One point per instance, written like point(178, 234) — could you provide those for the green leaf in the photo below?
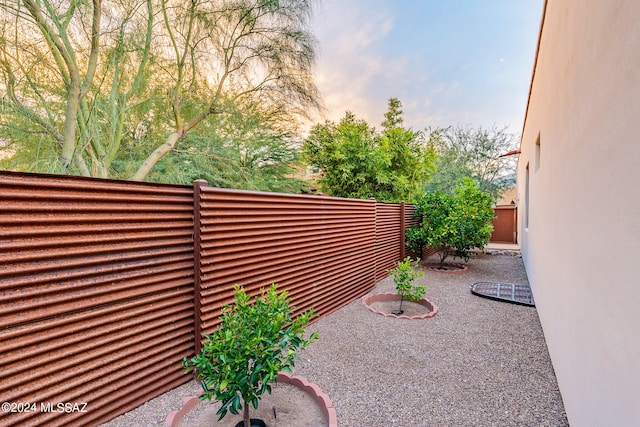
point(254, 341)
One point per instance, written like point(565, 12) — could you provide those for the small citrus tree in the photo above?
point(453, 225)
point(403, 275)
point(244, 354)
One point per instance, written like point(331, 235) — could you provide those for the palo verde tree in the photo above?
point(109, 80)
point(355, 160)
point(473, 152)
point(453, 224)
point(245, 148)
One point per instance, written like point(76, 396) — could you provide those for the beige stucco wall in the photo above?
point(506, 197)
point(582, 244)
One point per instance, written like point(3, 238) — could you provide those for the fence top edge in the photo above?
point(59, 180)
point(285, 195)
point(49, 179)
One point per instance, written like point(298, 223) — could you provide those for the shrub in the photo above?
point(453, 225)
point(403, 275)
point(244, 354)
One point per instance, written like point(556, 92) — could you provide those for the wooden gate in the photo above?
point(504, 224)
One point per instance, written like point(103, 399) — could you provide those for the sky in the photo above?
point(450, 62)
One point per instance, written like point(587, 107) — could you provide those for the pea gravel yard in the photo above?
point(478, 362)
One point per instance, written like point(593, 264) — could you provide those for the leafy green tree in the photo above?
point(408, 158)
point(474, 153)
point(453, 224)
point(356, 161)
point(347, 156)
point(253, 343)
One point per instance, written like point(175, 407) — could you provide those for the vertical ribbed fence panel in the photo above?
point(96, 295)
point(104, 285)
point(411, 220)
point(388, 235)
point(319, 249)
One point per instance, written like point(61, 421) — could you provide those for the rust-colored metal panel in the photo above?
point(319, 249)
point(504, 224)
point(411, 220)
point(96, 294)
point(388, 236)
point(410, 216)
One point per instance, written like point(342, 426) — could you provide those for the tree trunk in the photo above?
point(245, 415)
point(444, 253)
point(71, 115)
point(155, 157)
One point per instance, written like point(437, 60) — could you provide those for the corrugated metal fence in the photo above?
point(98, 278)
point(96, 294)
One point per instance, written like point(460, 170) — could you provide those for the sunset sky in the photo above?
point(449, 62)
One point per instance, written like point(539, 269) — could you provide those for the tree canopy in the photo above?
point(453, 224)
point(473, 152)
point(106, 86)
point(244, 148)
point(354, 160)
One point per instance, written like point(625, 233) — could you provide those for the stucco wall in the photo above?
point(582, 244)
point(506, 197)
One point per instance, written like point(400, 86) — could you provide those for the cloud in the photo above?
point(443, 71)
point(353, 25)
point(350, 61)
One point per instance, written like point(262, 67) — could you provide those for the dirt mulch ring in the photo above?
point(388, 304)
point(293, 402)
point(447, 267)
point(286, 406)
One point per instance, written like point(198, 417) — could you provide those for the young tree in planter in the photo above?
point(252, 344)
point(403, 275)
point(453, 224)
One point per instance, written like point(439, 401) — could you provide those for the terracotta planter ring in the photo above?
point(321, 399)
point(368, 300)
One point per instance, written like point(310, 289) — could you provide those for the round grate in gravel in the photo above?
point(517, 294)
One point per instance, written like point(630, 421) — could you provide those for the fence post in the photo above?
point(197, 271)
point(402, 231)
point(375, 239)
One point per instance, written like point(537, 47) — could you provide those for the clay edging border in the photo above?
point(369, 299)
point(462, 268)
point(313, 390)
point(321, 398)
point(174, 417)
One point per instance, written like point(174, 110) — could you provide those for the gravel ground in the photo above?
point(478, 362)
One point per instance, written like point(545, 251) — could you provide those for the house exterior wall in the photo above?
point(580, 233)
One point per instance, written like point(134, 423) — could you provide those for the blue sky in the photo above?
point(449, 62)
